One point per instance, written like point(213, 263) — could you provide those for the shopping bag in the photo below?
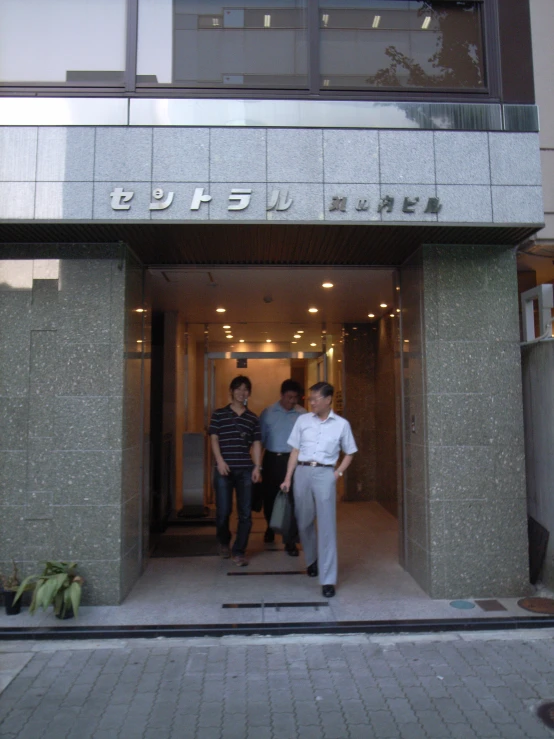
point(281, 515)
point(257, 496)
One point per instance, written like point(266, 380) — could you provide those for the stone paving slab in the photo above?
point(455, 685)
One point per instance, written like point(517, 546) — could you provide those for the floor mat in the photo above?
point(187, 545)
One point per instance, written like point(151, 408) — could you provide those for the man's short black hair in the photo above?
point(291, 386)
point(324, 388)
point(241, 380)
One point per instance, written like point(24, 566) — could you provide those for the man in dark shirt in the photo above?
point(234, 431)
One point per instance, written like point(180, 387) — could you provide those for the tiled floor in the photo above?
point(372, 585)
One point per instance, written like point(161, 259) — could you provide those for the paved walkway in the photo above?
point(352, 687)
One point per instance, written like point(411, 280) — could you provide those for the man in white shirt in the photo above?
point(317, 440)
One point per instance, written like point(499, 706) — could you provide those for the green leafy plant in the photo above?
point(58, 586)
point(11, 582)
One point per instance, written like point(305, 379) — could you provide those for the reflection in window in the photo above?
point(401, 43)
point(207, 43)
point(64, 41)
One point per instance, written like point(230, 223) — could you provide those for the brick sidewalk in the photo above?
point(353, 687)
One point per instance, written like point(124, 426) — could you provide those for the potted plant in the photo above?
point(10, 584)
point(58, 585)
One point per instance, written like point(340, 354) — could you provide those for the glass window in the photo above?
point(207, 43)
point(401, 43)
point(64, 41)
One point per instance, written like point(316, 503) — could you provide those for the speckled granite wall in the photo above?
point(67, 403)
point(465, 485)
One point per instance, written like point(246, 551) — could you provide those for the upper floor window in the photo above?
point(62, 42)
point(401, 43)
point(305, 46)
point(237, 43)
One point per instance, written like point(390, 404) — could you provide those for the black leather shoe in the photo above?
point(292, 551)
point(269, 536)
point(312, 570)
point(328, 591)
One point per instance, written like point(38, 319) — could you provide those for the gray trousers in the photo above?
point(315, 495)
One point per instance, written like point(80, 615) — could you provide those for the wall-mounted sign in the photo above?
point(239, 199)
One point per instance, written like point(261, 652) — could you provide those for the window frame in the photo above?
point(491, 91)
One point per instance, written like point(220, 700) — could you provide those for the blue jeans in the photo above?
point(241, 481)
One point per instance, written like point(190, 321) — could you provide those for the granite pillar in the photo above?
point(464, 496)
point(70, 396)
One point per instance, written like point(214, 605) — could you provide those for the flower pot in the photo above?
point(11, 609)
point(68, 614)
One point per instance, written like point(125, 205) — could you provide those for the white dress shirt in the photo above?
point(322, 441)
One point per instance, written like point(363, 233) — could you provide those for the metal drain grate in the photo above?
point(544, 606)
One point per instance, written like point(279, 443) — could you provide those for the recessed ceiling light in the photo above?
point(327, 284)
point(226, 326)
point(268, 341)
point(294, 342)
point(382, 305)
point(339, 360)
point(229, 336)
point(301, 331)
point(312, 344)
point(392, 315)
point(371, 315)
point(398, 310)
point(241, 341)
point(354, 328)
point(139, 310)
point(376, 21)
point(312, 310)
point(426, 22)
point(220, 310)
point(267, 21)
point(297, 336)
point(406, 341)
point(139, 341)
point(398, 288)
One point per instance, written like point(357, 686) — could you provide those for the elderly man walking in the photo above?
point(317, 440)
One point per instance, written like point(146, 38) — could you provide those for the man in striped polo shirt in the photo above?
point(236, 444)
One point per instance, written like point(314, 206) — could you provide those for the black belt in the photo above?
point(315, 464)
point(278, 454)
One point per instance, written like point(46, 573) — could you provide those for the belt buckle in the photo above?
point(313, 464)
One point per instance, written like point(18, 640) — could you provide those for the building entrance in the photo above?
point(272, 324)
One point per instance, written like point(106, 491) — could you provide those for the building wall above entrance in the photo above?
point(257, 175)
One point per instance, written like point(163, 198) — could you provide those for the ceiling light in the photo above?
point(392, 315)
point(241, 341)
point(294, 342)
point(220, 310)
point(139, 310)
point(406, 341)
point(398, 288)
point(226, 326)
point(267, 21)
point(325, 83)
point(426, 23)
point(268, 341)
point(376, 21)
point(398, 310)
point(354, 328)
point(371, 315)
point(339, 360)
point(313, 344)
point(382, 305)
point(139, 341)
point(229, 336)
point(312, 310)
point(325, 19)
point(297, 336)
point(301, 331)
point(327, 284)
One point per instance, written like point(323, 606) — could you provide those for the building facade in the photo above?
point(395, 135)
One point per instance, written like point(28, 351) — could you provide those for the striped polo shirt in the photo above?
point(235, 435)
